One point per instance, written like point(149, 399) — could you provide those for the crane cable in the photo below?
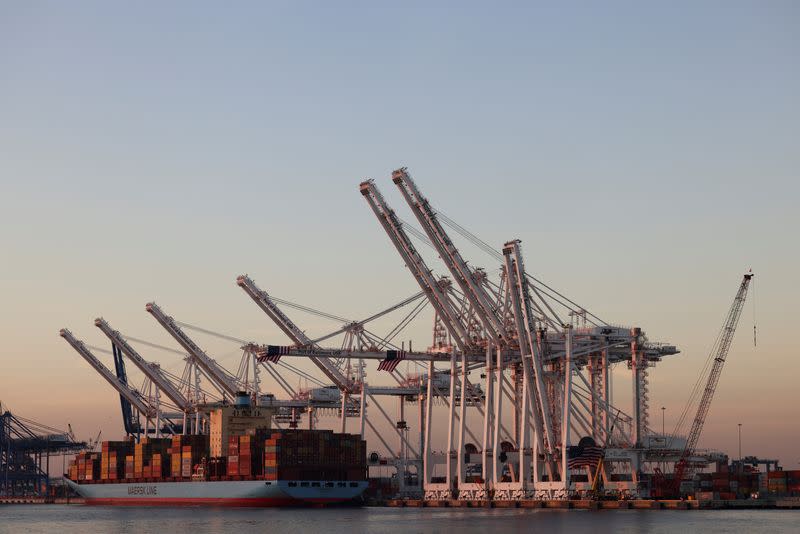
point(498, 256)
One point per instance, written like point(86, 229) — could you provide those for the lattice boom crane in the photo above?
point(720, 353)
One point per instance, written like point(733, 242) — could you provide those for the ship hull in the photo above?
point(252, 493)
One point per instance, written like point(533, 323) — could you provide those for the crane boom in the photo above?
point(269, 307)
point(531, 355)
point(452, 258)
point(133, 396)
point(151, 370)
point(299, 337)
point(224, 381)
point(720, 353)
point(424, 276)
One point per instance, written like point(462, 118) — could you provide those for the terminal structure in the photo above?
point(513, 395)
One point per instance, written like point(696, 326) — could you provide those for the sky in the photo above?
point(646, 156)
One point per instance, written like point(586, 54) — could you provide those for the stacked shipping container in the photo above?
point(729, 486)
point(85, 467)
point(314, 455)
point(793, 482)
point(112, 459)
point(274, 455)
point(147, 458)
point(784, 482)
point(186, 452)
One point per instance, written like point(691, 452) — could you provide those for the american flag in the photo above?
point(393, 358)
point(584, 455)
point(274, 353)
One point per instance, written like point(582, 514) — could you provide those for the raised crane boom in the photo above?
point(424, 276)
point(132, 396)
point(531, 354)
point(720, 353)
point(269, 307)
point(151, 370)
point(452, 258)
point(224, 381)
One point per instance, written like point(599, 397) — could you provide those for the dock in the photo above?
point(585, 504)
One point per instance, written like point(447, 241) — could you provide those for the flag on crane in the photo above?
point(393, 358)
point(274, 353)
point(585, 454)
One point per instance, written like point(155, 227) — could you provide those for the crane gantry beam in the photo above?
point(151, 370)
point(263, 351)
point(222, 380)
point(130, 394)
point(413, 260)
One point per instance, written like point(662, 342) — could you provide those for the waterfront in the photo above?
point(80, 519)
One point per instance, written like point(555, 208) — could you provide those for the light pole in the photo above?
point(740, 442)
point(663, 434)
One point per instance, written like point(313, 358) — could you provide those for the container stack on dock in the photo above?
point(784, 483)
point(793, 482)
point(725, 485)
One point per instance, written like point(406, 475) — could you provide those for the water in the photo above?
point(63, 519)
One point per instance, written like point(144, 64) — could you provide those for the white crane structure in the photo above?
point(543, 393)
point(536, 346)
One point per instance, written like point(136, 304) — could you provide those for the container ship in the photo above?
point(234, 465)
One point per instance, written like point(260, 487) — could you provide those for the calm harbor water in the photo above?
point(62, 519)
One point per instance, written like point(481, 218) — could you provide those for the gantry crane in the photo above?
point(719, 353)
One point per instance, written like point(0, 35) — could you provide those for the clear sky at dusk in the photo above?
point(646, 156)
